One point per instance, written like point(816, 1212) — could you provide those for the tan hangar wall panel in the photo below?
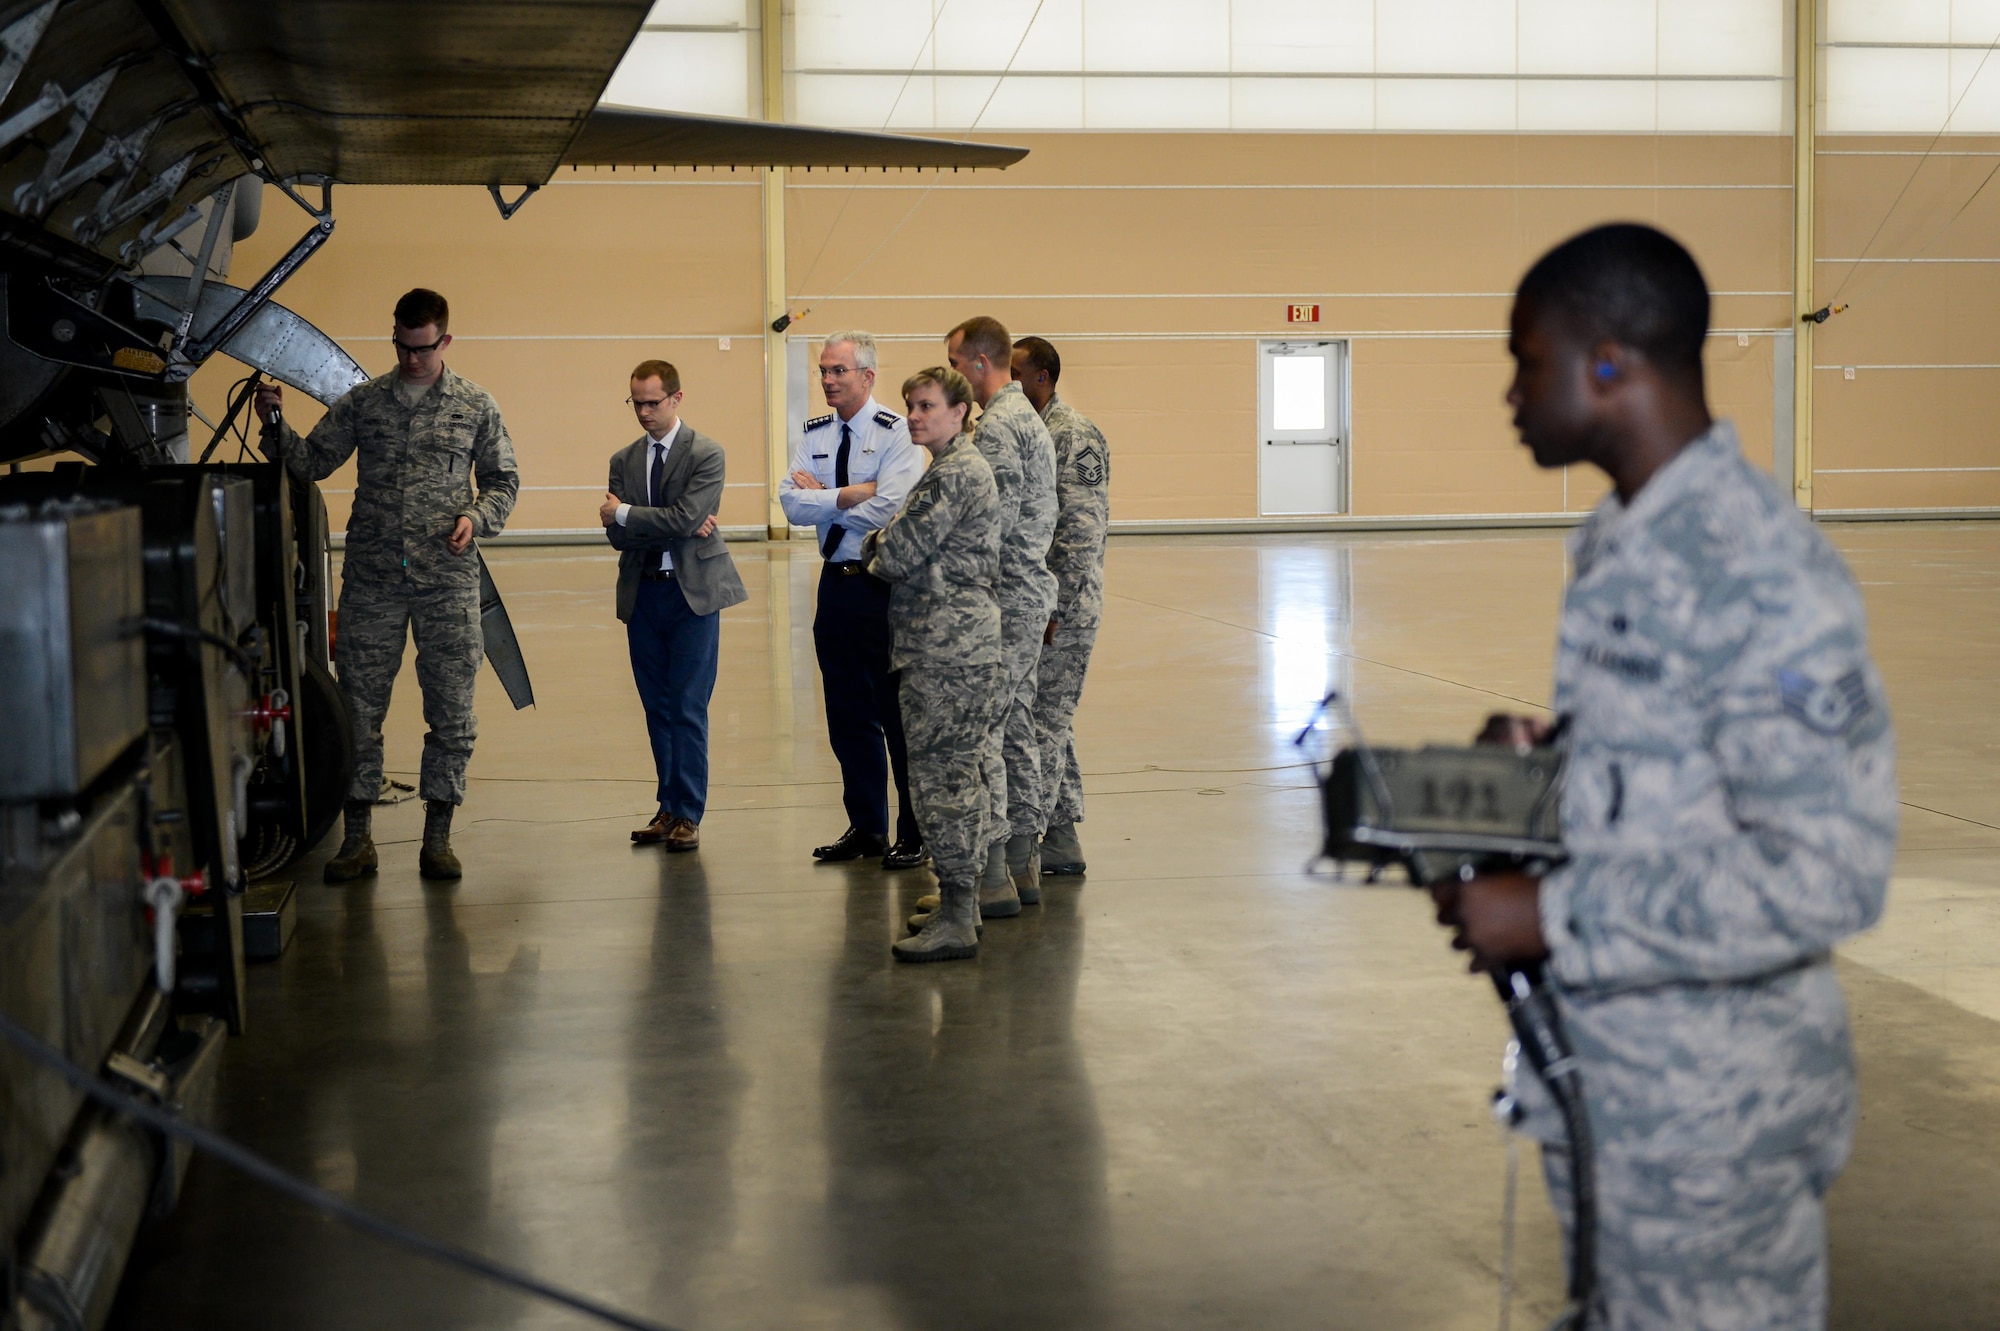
point(1915, 426)
point(550, 311)
point(1156, 263)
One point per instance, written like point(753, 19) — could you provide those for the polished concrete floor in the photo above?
point(1200, 1088)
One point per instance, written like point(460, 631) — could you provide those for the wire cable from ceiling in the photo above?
point(930, 37)
point(1924, 157)
point(912, 210)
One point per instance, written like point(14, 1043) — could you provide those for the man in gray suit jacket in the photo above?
point(675, 578)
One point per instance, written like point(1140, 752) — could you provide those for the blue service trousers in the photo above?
point(864, 718)
point(674, 653)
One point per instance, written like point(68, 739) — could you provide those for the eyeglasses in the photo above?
point(650, 403)
point(835, 371)
point(405, 349)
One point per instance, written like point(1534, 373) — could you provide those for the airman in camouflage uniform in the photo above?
point(1023, 457)
point(1729, 814)
point(1076, 557)
point(941, 556)
point(427, 456)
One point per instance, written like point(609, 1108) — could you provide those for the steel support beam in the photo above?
point(777, 452)
point(1804, 250)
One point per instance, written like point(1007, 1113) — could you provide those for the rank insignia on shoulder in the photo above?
point(886, 418)
point(1830, 709)
point(1089, 466)
point(818, 421)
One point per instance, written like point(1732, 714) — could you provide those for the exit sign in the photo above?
point(1301, 314)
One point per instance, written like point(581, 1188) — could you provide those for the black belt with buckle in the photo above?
point(657, 574)
point(849, 567)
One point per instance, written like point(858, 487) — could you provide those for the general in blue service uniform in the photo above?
point(851, 623)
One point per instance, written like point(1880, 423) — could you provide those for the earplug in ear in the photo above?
point(1606, 371)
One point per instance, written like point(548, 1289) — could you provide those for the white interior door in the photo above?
point(1301, 428)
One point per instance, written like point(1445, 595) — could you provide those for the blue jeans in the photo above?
point(674, 654)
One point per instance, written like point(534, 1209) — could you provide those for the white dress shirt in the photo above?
point(656, 456)
point(879, 450)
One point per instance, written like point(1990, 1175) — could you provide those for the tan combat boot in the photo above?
point(997, 898)
point(928, 906)
point(952, 932)
point(356, 856)
point(1062, 852)
point(435, 860)
point(1024, 867)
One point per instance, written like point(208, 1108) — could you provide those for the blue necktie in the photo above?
point(656, 484)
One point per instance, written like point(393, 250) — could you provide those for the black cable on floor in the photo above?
point(257, 1167)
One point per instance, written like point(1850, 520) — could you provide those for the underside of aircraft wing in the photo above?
point(386, 92)
point(117, 117)
point(627, 136)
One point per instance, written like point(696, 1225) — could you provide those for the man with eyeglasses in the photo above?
point(850, 475)
point(675, 578)
point(434, 471)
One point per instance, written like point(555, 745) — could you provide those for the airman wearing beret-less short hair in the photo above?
point(434, 471)
point(1017, 445)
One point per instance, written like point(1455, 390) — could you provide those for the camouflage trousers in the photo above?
point(1017, 797)
point(948, 728)
point(376, 619)
point(1725, 1245)
point(1058, 687)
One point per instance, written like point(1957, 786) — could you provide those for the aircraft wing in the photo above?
point(118, 116)
point(389, 92)
point(627, 136)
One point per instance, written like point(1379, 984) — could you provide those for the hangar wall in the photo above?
point(1918, 425)
point(550, 311)
point(1157, 261)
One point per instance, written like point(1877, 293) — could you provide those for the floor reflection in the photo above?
point(437, 1143)
point(382, 1087)
point(686, 1095)
point(1305, 602)
point(965, 1157)
point(609, 1068)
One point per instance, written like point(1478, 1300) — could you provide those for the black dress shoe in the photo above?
point(852, 845)
point(909, 853)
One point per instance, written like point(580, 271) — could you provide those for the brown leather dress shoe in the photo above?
point(654, 832)
point(683, 834)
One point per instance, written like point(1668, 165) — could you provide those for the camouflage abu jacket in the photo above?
point(941, 554)
point(1016, 443)
point(1083, 514)
point(1730, 812)
point(414, 475)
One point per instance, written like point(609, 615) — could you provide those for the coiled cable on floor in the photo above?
point(257, 1167)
